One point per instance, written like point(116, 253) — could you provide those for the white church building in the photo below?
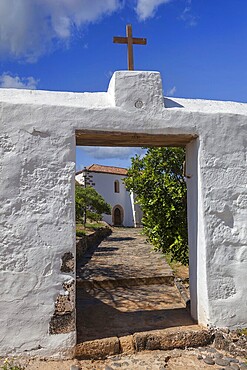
point(108, 182)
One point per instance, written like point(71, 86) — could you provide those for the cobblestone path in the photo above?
point(124, 287)
point(123, 255)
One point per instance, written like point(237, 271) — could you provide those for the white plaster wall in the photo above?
point(136, 210)
point(37, 164)
point(196, 235)
point(104, 185)
point(37, 228)
point(224, 200)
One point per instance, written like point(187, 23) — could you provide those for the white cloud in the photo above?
point(29, 28)
point(15, 82)
point(171, 91)
point(111, 152)
point(187, 16)
point(147, 8)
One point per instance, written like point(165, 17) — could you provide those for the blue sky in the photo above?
point(199, 46)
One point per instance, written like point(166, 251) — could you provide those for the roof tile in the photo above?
point(107, 169)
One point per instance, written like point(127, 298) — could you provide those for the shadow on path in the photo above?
point(97, 320)
point(126, 288)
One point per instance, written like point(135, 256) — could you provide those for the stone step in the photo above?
point(166, 339)
point(120, 311)
point(124, 282)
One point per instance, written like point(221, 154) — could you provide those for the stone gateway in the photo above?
point(39, 132)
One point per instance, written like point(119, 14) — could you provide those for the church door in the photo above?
point(117, 217)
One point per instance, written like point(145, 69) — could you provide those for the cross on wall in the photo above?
point(129, 40)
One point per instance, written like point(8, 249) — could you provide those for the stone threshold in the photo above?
point(165, 339)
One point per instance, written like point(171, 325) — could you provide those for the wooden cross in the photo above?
point(129, 40)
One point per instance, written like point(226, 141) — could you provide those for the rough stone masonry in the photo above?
point(38, 137)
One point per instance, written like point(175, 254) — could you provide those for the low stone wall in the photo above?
point(234, 342)
point(88, 241)
point(63, 319)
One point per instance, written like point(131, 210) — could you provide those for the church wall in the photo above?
point(104, 184)
point(136, 210)
point(37, 167)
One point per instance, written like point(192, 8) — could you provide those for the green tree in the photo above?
point(157, 180)
point(89, 200)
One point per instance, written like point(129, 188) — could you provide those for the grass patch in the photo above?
point(96, 225)
point(89, 227)
point(80, 233)
point(181, 271)
point(80, 230)
point(242, 331)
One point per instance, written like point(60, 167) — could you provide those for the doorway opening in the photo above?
point(106, 283)
point(117, 215)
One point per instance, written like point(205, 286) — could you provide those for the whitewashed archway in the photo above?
point(39, 130)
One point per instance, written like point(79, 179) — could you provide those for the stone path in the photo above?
point(124, 287)
point(189, 359)
point(125, 255)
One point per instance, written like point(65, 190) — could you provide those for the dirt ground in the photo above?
point(148, 360)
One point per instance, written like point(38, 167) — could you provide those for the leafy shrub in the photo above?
point(90, 201)
point(157, 180)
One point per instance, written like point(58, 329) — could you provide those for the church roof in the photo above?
point(107, 169)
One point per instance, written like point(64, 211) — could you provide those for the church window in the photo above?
point(116, 186)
